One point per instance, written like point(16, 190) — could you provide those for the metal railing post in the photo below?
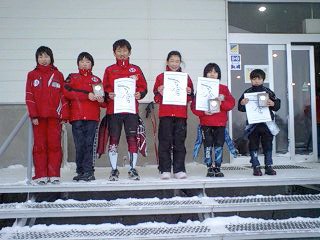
point(14, 132)
point(29, 151)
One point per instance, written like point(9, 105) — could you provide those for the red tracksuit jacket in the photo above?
point(77, 88)
point(217, 119)
point(123, 69)
point(166, 110)
point(44, 93)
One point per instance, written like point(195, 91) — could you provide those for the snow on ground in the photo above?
point(217, 224)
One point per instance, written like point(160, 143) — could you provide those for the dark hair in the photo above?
point(41, 50)
point(210, 67)
point(258, 73)
point(87, 56)
point(174, 53)
point(121, 43)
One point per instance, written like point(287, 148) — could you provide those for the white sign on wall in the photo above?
point(235, 61)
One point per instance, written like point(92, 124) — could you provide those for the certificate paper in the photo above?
point(207, 88)
point(124, 100)
point(256, 114)
point(175, 88)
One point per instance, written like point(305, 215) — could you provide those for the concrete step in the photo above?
point(155, 206)
point(235, 176)
point(212, 228)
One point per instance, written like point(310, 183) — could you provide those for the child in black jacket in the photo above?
point(260, 130)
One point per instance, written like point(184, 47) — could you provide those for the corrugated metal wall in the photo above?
point(197, 28)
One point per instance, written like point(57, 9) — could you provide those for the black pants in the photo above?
point(83, 132)
point(261, 132)
point(172, 135)
point(130, 122)
point(213, 136)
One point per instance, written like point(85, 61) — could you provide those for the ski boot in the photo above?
point(114, 175)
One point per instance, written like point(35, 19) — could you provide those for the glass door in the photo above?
point(304, 113)
point(273, 60)
point(290, 74)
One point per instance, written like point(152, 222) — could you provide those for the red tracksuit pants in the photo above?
point(47, 151)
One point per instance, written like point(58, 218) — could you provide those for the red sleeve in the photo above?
point(30, 98)
point(229, 100)
point(65, 111)
point(73, 95)
point(142, 86)
point(106, 81)
point(158, 83)
point(190, 85)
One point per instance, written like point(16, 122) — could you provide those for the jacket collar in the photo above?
point(123, 63)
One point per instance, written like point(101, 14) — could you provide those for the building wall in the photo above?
point(198, 29)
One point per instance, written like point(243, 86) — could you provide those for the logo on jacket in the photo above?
point(55, 85)
point(135, 77)
point(132, 70)
point(36, 83)
point(94, 79)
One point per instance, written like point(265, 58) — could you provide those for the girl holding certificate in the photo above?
point(47, 109)
point(173, 122)
point(213, 123)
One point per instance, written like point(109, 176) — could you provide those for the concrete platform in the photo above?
point(13, 179)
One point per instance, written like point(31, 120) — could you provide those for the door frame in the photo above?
point(284, 40)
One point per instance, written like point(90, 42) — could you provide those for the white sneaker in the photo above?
point(165, 175)
point(41, 181)
point(180, 175)
point(55, 180)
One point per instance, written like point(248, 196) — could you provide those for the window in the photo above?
point(285, 17)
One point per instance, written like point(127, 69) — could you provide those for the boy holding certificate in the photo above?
point(84, 102)
point(213, 121)
point(124, 84)
point(173, 116)
point(260, 130)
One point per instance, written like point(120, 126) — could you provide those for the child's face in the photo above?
point(257, 81)
point(212, 74)
point(85, 63)
point(44, 59)
point(122, 53)
point(174, 62)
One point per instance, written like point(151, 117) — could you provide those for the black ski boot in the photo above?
point(133, 174)
point(87, 177)
point(114, 175)
point(217, 172)
point(269, 170)
point(77, 178)
point(257, 171)
point(210, 172)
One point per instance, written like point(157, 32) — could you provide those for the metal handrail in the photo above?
point(15, 131)
point(12, 135)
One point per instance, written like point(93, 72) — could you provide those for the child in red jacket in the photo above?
point(47, 109)
point(173, 124)
point(123, 69)
point(84, 114)
point(213, 124)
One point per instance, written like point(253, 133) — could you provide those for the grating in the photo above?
point(274, 226)
point(289, 167)
point(284, 167)
point(166, 203)
point(117, 232)
point(8, 206)
point(71, 205)
point(269, 199)
point(233, 168)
